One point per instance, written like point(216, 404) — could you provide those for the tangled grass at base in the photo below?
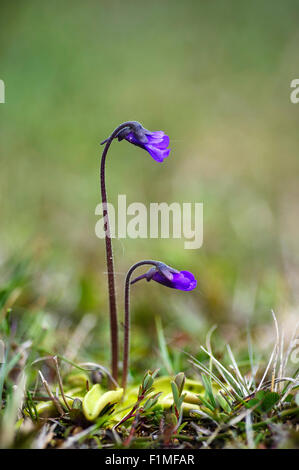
point(56, 401)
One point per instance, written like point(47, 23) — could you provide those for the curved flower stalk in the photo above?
point(156, 144)
point(163, 274)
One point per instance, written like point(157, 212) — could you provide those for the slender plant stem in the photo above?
point(127, 318)
point(109, 257)
point(55, 360)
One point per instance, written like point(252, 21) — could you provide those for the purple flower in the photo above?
point(169, 277)
point(182, 280)
point(155, 143)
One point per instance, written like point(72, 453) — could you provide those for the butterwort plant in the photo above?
point(156, 144)
point(163, 274)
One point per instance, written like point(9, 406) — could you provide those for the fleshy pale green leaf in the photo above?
point(95, 401)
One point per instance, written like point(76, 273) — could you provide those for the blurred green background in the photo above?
point(215, 76)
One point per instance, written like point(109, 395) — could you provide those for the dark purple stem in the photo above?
point(127, 317)
point(109, 257)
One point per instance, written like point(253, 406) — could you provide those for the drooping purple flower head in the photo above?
point(155, 143)
point(183, 280)
point(169, 277)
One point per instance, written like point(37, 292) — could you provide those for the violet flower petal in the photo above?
point(184, 280)
point(156, 145)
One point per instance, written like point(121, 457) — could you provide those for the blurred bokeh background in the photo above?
point(215, 76)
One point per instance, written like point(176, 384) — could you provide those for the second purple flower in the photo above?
point(183, 280)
